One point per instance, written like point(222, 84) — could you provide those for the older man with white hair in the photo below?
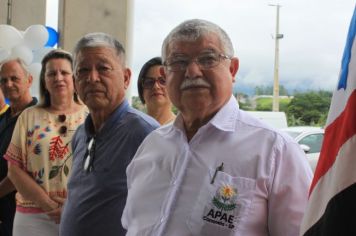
point(15, 83)
point(216, 170)
point(106, 143)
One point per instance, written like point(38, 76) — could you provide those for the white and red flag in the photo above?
point(332, 198)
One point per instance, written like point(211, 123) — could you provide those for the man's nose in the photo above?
point(193, 70)
point(93, 75)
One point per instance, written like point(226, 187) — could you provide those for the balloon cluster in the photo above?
point(29, 45)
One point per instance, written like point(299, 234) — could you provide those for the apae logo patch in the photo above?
point(224, 202)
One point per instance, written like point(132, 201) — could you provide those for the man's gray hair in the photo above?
point(191, 30)
point(98, 39)
point(20, 62)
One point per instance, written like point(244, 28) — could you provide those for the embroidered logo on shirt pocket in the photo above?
point(221, 207)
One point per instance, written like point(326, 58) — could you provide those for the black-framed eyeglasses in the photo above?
point(205, 61)
point(149, 82)
point(88, 165)
point(63, 129)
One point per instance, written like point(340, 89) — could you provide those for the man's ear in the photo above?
point(30, 80)
point(234, 67)
point(127, 78)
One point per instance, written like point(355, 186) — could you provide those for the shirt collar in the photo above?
point(7, 113)
point(113, 118)
point(4, 109)
point(224, 119)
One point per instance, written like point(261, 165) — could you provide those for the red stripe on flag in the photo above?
point(336, 134)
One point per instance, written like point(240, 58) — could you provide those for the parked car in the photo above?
point(310, 140)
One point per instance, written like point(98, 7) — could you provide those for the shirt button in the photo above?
point(162, 219)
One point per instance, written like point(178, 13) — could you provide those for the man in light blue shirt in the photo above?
point(106, 143)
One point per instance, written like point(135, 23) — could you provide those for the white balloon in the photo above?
point(40, 53)
point(9, 37)
point(4, 54)
point(36, 36)
point(23, 52)
point(35, 70)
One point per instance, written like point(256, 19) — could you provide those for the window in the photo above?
point(314, 141)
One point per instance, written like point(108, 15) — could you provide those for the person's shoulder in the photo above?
point(82, 110)
point(2, 116)
point(32, 110)
point(246, 119)
point(251, 122)
point(140, 118)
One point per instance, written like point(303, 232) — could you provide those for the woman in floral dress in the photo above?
point(40, 154)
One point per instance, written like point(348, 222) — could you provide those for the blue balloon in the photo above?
point(7, 101)
point(52, 37)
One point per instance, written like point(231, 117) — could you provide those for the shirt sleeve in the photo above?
point(16, 153)
point(291, 178)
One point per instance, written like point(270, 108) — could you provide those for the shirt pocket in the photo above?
point(221, 207)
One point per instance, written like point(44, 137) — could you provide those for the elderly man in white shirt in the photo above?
point(216, 170)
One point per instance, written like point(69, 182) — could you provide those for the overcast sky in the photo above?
point(310, 53)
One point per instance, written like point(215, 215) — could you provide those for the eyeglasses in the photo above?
point(13, 79)
point(63, 129)
point(205, 61)
point(89, 156)
point(149, 82)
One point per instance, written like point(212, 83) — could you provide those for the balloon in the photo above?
point(23, 52)
point(35, 36)
point(35, 70)
point(4, 54)
point(52, 38)
point(9, 37)
point(40, 53)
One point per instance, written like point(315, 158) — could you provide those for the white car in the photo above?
point(310, 140)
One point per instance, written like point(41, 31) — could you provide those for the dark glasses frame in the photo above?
point(149, 82)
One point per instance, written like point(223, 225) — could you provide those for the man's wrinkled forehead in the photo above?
point(96, 54)
point(211, 43)
point(12, 68)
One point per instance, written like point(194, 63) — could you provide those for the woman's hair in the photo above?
point(156, 61)
point(54, 54)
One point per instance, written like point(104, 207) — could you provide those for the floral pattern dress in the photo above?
point(41, 146)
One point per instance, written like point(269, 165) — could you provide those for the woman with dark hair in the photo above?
point(152, 91)
point(40, 154)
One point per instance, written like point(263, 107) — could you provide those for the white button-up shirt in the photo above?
point(236, 176)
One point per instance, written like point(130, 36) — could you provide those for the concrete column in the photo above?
point(79, 17)
point(23, 13)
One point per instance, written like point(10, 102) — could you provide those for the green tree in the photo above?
point(265, 104)
point(268, 90)
point(136, 103)
point(309, 108)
